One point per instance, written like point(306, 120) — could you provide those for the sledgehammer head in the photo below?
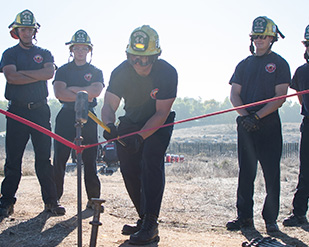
point(81, 107)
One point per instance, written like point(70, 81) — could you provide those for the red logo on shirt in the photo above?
point(154, 92)
point(38, 58)
point(88, 77)
point(270, 68)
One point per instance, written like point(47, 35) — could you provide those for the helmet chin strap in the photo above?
point(306, 56)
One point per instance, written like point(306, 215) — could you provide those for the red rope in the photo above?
point(82, 147)
point(41, 129)
point(207, 115)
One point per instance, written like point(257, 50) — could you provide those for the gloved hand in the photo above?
point(251, 122)
point(133, 143)
point(113, 132)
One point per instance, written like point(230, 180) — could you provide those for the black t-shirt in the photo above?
point(26, 59)
point(258, 77)
point(300, 82)
point(79, 76)
point(140, 93)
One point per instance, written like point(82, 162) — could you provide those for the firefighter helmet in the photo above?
point(23, 19)
point(80, 38)
point(144, 41)
point(306, 35)
point(264, 26)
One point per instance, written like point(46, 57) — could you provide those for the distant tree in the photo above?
point(290, 112)
point(55, 107)
point(185, 108)
point(3, 106)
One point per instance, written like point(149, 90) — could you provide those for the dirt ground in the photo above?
point(199, 199)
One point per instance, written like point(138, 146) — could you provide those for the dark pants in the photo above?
point(144, 172)
point(300, 201)
point(65, 127)
point(17, 136)
point(265, 146)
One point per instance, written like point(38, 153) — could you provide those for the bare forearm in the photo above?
point(156, 120)
point(94, 90)
point(108, 115)
point(66, 95)
point(43, 74)
point(236, 101)
point(270, 108)
point(19, 79)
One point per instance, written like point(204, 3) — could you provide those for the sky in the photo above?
point(204, 40)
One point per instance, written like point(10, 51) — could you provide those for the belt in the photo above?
point(28, 105)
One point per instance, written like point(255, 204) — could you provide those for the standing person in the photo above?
point(27, 68)
point(77, 75)
point(300, 82)
point(261, 76)
point(148, 86)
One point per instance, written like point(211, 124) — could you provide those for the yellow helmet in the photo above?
point(80, 38)
point(264, 26)
point(144, 41)
point(23, 19)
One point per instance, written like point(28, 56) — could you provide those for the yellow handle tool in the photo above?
point(99, 122)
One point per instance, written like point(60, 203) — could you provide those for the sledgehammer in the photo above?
point(96, 220)
point(81, 117)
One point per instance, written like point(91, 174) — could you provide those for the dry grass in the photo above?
point(199, 199)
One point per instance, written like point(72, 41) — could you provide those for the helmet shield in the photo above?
point(139, 41)
point(144, 41)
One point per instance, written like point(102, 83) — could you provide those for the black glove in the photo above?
point(113, 132)
point(133, 143)
point(251, 122)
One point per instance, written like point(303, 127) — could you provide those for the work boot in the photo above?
point(295, 220)
point(148, 233)
point(239, 223)
point(7, 210)
point(54, 208)
point(271, 227)
point(129, 229)
point(90, 205)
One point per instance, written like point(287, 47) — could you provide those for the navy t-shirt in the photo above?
point(140, 93)
point(300, 82)
point(79, 76)
point(26, 59)
point(258, 77)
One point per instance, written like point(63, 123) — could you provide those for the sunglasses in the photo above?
point(258, 37)
point(306, 43)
